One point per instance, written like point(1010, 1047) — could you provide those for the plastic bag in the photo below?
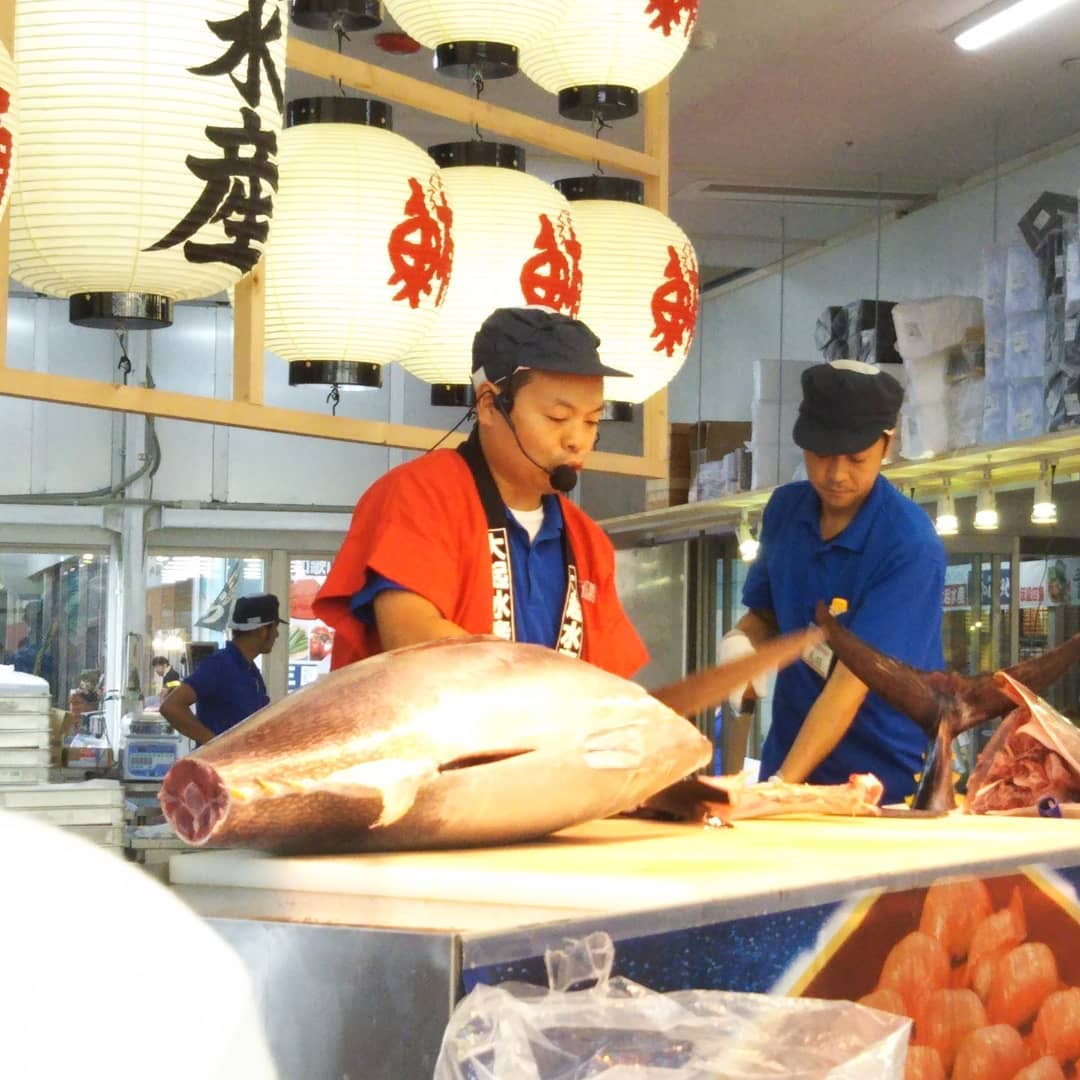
point(618, 1029)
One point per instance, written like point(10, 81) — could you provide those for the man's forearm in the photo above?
point(758, 626)
point(187, 723)
point(825, 725)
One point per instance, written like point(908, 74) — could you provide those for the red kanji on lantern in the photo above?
point(675, 301)
point(669, 13)
point(421, 247)
point(552, 277)
point(5, 144)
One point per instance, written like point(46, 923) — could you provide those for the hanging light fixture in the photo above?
point(340, 15)
point(1043, 508)
point(640, 286)
point(986, 513)
point(946, 523)
point(514, 245)
point(9, 125)
point(748, 544)
point(148, 151)
point(361, 254)
point(603, 53)
point(476, 38)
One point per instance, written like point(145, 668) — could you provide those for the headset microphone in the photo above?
point(562, 478)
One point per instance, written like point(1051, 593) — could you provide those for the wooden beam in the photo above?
point(89, 393)
point(325, 64)
point(248, 337)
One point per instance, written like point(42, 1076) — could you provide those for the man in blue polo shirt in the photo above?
point(848, 537)
point(227, 687)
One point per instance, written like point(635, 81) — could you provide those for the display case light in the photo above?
point(748, 544)
point(946, 523)
point(1043, 507)
point(986, 512)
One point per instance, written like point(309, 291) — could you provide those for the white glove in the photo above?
point(734, 645)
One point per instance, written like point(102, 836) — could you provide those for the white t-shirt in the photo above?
point(529, 520)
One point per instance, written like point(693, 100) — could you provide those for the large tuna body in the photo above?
point(454, 743)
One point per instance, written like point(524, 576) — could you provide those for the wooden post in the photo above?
point(249, 350)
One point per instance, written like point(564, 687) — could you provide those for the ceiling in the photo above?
point(867, 96)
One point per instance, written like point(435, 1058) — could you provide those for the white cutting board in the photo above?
point(623, 864)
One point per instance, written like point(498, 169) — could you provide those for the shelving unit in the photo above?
point(1012, 465)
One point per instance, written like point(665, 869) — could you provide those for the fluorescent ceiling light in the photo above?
point(794, 196)
point(994, 21)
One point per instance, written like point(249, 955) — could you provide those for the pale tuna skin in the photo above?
point(455, 743)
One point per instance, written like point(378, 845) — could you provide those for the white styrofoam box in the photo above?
point(1025, 346)
point(994, 353)
point(27, 740)
point(995, 410)
point(772, 421)
point(23, 774)
point(24, 722)
point(1025, 410)
point(69, 816)
point(1072, 276)
point(779, 380)
point(926, 378)
point(924, 429)
point(964, 412)
point(773, 463)
point(17, 684)
point(994, 269)
point(1023, 281)
point(95, 794)
point(924, 327)
point(17, 756)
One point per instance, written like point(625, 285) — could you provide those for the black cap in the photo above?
point(251, 612)
point(846, 407)
point(515, 339)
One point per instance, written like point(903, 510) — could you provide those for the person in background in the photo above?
point(481, 539)
point(847, 537)
point(169, 676)
point(227, 687)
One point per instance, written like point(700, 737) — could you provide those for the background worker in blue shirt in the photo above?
point(847, 537)
point(227, 687)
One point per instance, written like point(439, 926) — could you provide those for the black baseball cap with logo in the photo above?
point(846, 407)
point(251, 612)
point(520, 338)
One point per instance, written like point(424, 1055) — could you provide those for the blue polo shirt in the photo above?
point(539, 575)
point(228, 688)
point(888, 565)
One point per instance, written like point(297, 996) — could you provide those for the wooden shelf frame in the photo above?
point(247, 408)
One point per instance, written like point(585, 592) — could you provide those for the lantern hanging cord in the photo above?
point(468, 416)
point(333, 399)
point(478, 86)
point(338, 27)
point(125, 361)
point(599, 123)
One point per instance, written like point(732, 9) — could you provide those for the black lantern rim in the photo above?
point(607, 188)
point(609, 102)
point(330, 14)
point(621, 412)
point(467, 59)
point(335, 373)
point(339, 110)
point(457, 395)
point(120, 310)
point(478, 152)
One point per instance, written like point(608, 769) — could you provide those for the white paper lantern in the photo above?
point(514, 245)
point(603, 53)
point(360, 259)
point(148, 155)
point(476, 36)
point(9, 126)
point(641, 284)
